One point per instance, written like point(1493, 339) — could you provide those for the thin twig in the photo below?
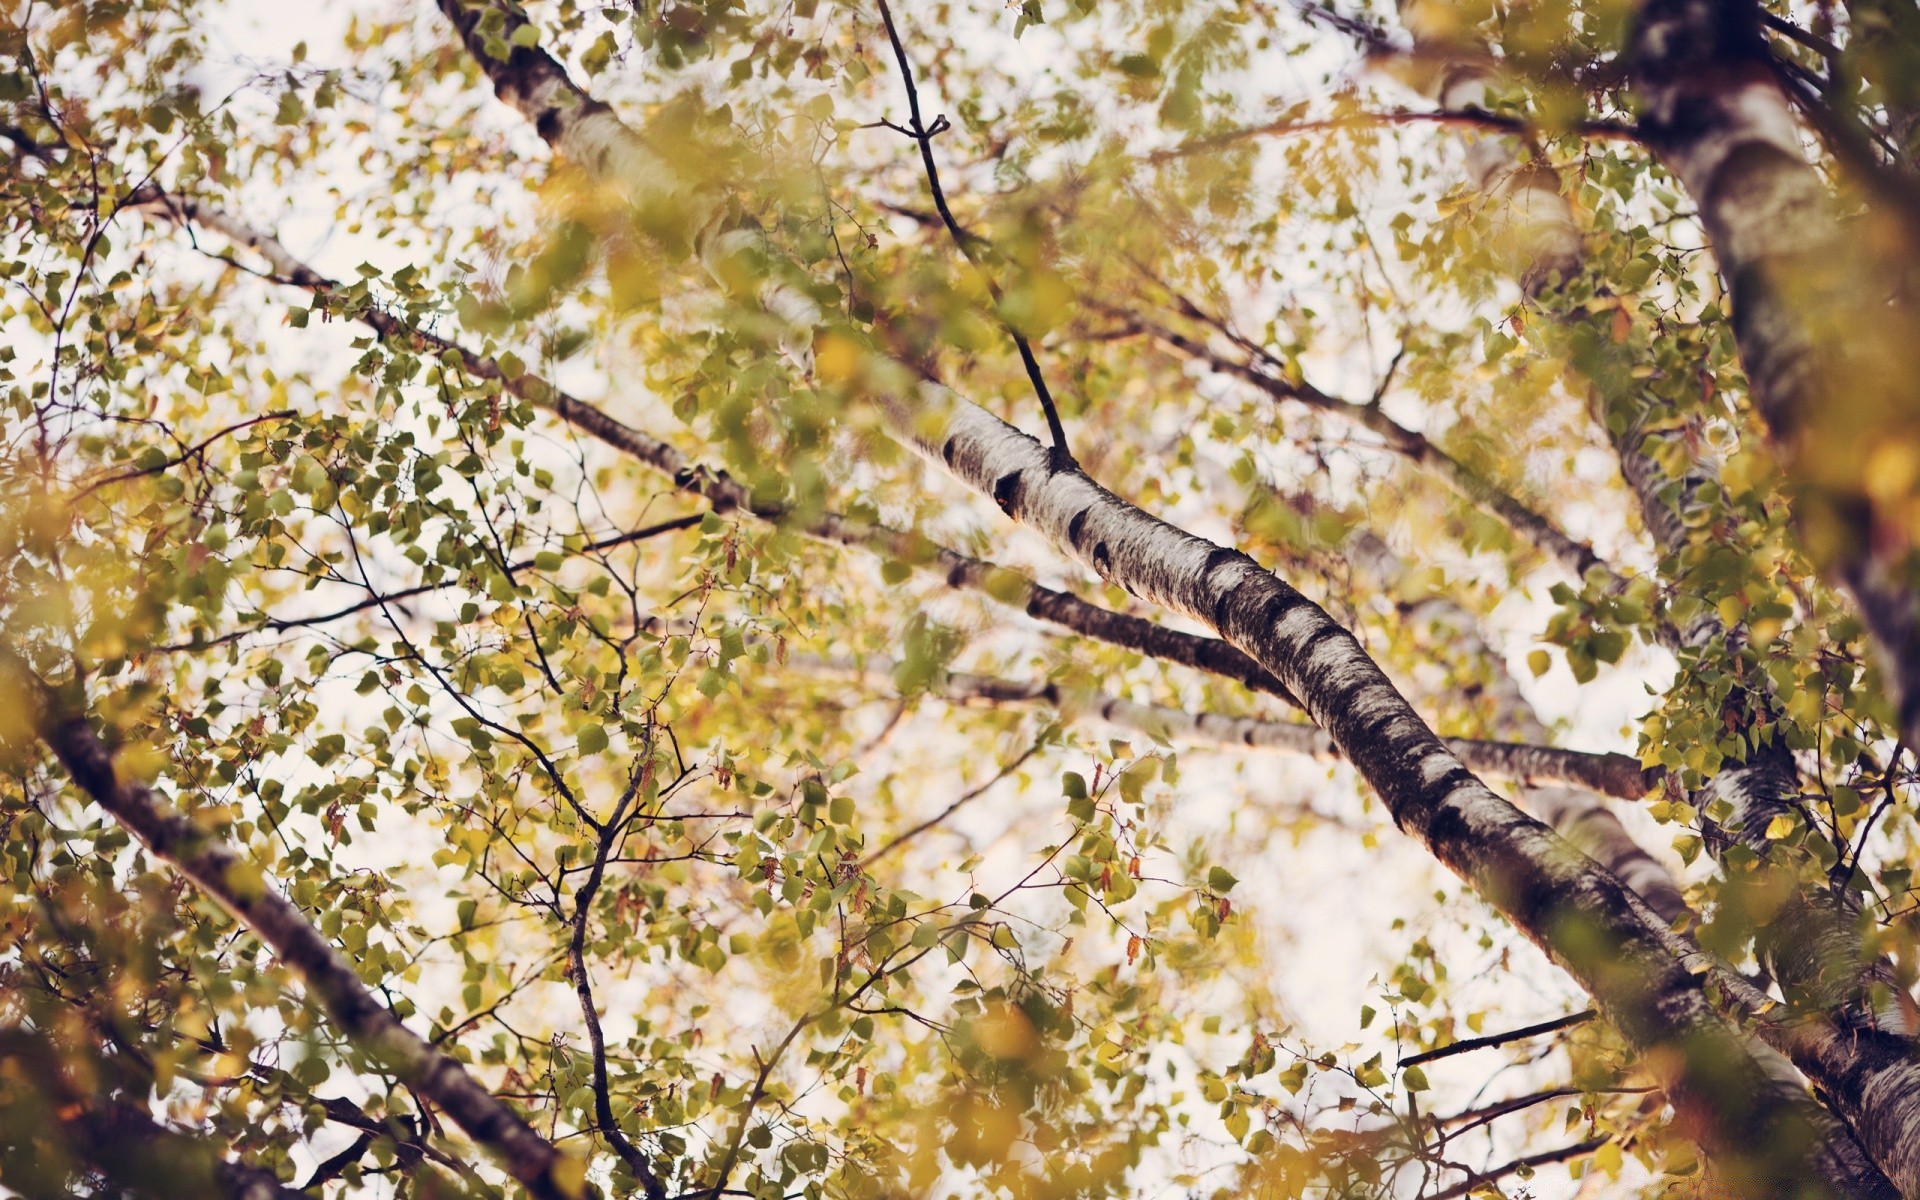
point(964, 800)
point(969, 245)
point(1477, 1179)
point(1501, 1039)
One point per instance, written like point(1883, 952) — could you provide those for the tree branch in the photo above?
point(1476, 1180)
point(971, 247)
point(1501, 1039)
point(727, 495)
point(237, 885)
point(1520, 866)
point(1576, 557)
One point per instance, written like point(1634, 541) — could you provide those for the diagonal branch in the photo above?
point(1596, 130)
point(236, 883)
point(1576, 557)
point(1616, 775)
point(120, 1140)
point(727, 495)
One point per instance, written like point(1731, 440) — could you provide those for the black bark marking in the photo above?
point(1303, 648)
point(1442, 827)
point(1373, 732)
point(549, 124)
point(1102, 559)
point(950, 448)
point(1006, 492)
point(1283, 602)
point(1075, 527)
point(1220, 556)
point(1223, 603)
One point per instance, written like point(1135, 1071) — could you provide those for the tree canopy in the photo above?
point(827, 600)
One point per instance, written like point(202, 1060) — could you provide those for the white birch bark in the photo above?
point(1580, 816)
point(1813, 946)
point(1542, 884)
point(727, 495)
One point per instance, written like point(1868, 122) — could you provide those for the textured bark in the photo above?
point(1579, 816)
point(1829, 359)
point(1583, 917)
point(1812, 945)
point(331, 979)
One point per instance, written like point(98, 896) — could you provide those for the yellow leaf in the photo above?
point(570, 1175)
point(1608, 1158)
point(138, 762)
point(836, 357)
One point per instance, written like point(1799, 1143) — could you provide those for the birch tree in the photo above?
point(842, 600)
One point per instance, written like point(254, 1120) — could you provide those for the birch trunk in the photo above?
point(1620, 951)
point(1812, 946)
point(1828, 357)
point(1579, 816)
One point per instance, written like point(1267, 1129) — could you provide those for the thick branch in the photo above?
point(1625, 956)
point(237, 885)
point(1828, 356)
point(117, 1139)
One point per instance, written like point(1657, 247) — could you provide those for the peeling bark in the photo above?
point(233, 881)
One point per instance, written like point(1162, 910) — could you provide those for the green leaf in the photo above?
point(592, 739)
